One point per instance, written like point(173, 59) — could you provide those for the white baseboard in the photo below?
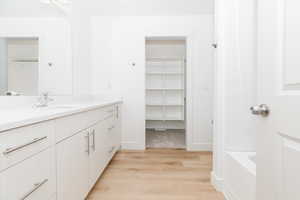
point(132, 146)
point(228, 194)
point(200, 147)
point(192, 147)
point(217, 182)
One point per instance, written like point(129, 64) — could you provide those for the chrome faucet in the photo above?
point(44, 100)
point(12, 93)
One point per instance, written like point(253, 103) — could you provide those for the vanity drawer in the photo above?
point(102, 114)
point(95, 116)
point(68, 126)
point(18, 144)
point(32, 179)
point(110, 111)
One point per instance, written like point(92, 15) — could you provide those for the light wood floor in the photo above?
point(157, 174)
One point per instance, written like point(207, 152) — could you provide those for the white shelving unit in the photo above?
point(165, 93)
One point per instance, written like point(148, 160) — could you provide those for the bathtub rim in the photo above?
point(243, 158)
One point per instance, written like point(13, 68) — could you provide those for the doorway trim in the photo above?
point(172, 38)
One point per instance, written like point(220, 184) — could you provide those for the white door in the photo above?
point(278, 167)
point(73, 168)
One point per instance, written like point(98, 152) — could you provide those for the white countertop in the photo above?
point(11, 118)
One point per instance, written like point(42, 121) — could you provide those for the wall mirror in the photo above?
point(19, 66)
point(35, 57)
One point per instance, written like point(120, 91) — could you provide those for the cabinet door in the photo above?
point(117, 127)
point(113, 135)
point(73, 167)
point(98, 148)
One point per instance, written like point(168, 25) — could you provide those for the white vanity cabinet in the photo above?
point(59, 159)
point(81, 158)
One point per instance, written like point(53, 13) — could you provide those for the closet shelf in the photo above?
point(164, 89)
point(164, 119)
point(165, 73)
point(174, 125)
point(165, 59)
point(172, 128)
point(164, 104)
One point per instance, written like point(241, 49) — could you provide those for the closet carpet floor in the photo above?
point(173, 139)
point(157, 174)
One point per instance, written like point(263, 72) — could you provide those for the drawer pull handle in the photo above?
point(13, 149)
point(117, 112)
point(36, 187)
point(88, 143)
point(94, 143)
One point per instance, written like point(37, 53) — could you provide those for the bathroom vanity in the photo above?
point(57, 152)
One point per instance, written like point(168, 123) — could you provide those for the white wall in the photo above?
point(96, 18)
point(166, 7)
point(3, 66)
point(145, 7)
point(81, 48)
point(128, 44)
point(54, 44)
point(235, 81)
point(28, 8)
point(101, 52)
point(80, 19)
point(168, 48)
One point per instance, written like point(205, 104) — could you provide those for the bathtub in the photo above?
point(240, 176)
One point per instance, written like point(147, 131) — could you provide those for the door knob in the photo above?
point(262, 110)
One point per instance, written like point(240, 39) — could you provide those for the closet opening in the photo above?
point(166, 92)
